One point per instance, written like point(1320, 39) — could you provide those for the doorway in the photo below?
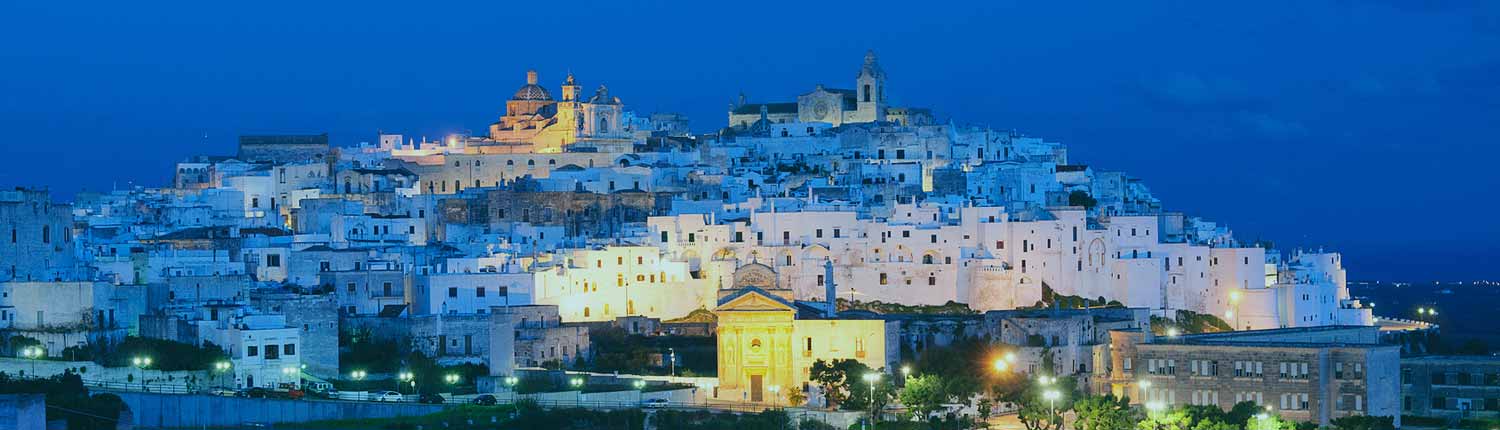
point(755, 388)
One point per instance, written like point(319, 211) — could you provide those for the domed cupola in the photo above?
point(531, 91)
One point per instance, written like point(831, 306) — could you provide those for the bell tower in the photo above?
point(870, 91)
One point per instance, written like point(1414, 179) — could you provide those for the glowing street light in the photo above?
point(33, 354)
point(1001, 365)
point(357, 375)
point(511, 381)
point(452, 378)
point(1051, 396)
point(775, 395)
point(405, 376)
point(1045, 380)
point(871, 378)
point(905, 370)
point(141, 363)
point(1173, 332)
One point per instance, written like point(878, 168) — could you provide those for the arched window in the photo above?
point(603, 125)
point(46, 234)
point(927, 259)
point(585, 311)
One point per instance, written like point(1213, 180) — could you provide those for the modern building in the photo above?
point(1304, 374)
point(1451, 386)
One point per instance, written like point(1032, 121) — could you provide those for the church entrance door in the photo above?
point(755, 388)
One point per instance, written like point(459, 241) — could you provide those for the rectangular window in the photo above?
point(273, 352)
point(883, 279)
point(252, 350)
point(289, 349)
point(273, 260)
point(479, 292)
point(818, 233)
point(452, 291)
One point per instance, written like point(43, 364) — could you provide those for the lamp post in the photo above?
point(1152, 409)
point(1051, 396)
point(871, 378)
point(142, 363)
point(775, 396)
point(403, 377)
point(672, 357)
point(32, 353)
point(220, 368)
point(577, 384)
point(639, 385)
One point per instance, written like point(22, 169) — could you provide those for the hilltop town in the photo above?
point(804, 229)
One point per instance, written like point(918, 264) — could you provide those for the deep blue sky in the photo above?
point(1366, 126)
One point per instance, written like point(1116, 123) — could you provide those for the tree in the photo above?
point(1214, 424)
point(923, 394)
point(1167, 420)
point(1081, 198)
point(986, 407)
point(1103, 413)
point(1364, 422)
point(831, 376)
point(1038, 413)
point(796, 398)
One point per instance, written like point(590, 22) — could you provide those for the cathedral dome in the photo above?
point(531, 91)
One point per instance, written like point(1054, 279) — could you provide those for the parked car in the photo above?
point(430, 399)
point(225, 393)
point(257, 393)
point(484, 400)
point(386, 396)
point(654, 403)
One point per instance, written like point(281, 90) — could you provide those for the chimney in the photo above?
point(830, 295)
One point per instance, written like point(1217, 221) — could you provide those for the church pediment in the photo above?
point(753, 300)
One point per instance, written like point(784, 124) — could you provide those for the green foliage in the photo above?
point(429, 375)
point(165, 354)
point(1081, 198)
point(844, 385)
point(1038, 413)
point(1189, 322)
point(68, 400)
point(524, 415)
point(1166, 420)
point(703, 420)
point(812, 424)
point(17, 343)
point(879, 307)
point(923, 394)
point(1103, 413)
point(966, 367)
point(360, 351)
point(1363, 422)
point(616, 350)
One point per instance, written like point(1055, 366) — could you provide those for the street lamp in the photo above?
point(357, 375)
point(221, 368)
point(142, 363)
point(32, 353)
point(1145, 390)
point(672, 357)
point(871, 378)
point(1173, 332)
point(1051, 396)
point(1001, 365)
point(577, 384)
point(1045, 380)
point(452, 378)
point(406, 376)
point(775, 395)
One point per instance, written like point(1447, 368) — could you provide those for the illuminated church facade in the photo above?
point(768, 342)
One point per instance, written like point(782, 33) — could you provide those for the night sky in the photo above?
point(1369, 127)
